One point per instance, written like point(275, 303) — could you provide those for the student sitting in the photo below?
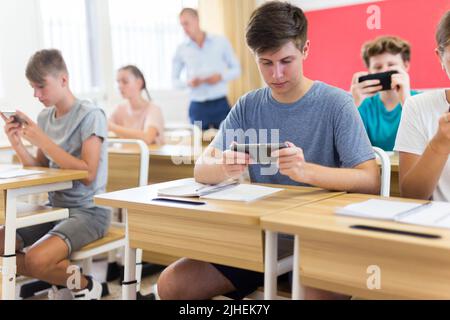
point(423, 139)
point(331, 151)
point(139, 118)
point(381, 110)
point(69, 134)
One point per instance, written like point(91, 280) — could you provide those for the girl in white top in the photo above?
point(423, 138)
point(139, 118)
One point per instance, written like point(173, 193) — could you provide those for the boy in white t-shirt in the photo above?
point(423, 138)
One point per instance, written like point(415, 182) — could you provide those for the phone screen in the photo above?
point(261, 153)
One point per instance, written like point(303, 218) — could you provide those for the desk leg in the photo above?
point(9, 257)
point(270, 265)
point(129, 277)
point(298, 291)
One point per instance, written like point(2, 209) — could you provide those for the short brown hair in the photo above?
point(190, 11)
point(443, 32)
point(390, 44)
point(274, 24)
point(44, 63)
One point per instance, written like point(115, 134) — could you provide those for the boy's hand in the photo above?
point(234, 163)
point(13, 131)
point(32, 133)
point(291, 162)
point(400, 84)
point(365, 89)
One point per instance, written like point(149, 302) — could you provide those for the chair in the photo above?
point(112, 241)
point(385, 171)
point(274, 268)
point(176, 134)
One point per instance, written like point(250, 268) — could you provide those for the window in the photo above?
point(146, 33)
point(66, 27)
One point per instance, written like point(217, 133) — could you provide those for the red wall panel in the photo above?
point(337, 36)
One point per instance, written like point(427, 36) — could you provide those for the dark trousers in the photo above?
point(211, 113)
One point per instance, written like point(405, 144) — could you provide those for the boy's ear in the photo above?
point(64, 79)
point(306, 48)
point(407, 64)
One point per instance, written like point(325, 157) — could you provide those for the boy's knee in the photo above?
point(169, 284)
point(36, 264)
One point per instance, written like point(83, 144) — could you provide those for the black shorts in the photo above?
point(245, 281)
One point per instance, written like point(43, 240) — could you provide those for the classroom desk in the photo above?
point(12, 217)
point(224, 232)
point(329, 254)
point(167, 162)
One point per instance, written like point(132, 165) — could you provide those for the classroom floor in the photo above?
point(99, 272)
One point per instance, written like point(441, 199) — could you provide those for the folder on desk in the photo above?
point(228, 190)
point(432, 214)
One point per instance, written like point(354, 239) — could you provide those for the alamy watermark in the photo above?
point(374, 20)
point(374, 280)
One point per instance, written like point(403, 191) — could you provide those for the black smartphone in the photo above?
point(260, 152)
point(9, 114)
point(384, 77)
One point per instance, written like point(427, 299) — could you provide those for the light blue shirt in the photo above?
point(216, 56)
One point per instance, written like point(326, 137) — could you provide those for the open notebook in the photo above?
point(15, 171)
point(432, 214)
point(228, 190)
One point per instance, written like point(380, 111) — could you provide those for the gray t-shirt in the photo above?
point(69, 132)
point(324, 123)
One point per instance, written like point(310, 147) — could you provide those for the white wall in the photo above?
point(20, 37)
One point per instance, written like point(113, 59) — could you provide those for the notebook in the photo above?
point(228, 190)
point(432, 214)
point(15, 171)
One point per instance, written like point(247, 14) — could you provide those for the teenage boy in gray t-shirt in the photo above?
point(69, 134)
point(328, 146)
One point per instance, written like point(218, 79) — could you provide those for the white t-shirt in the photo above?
point(419, 124)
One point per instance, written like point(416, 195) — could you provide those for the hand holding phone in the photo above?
point(261, 153)
point(16, 119)
point(385, 79)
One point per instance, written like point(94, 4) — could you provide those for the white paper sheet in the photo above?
point(243, 192)
point(377, 209)
point(16, 173)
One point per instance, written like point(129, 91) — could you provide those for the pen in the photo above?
point(413, 210)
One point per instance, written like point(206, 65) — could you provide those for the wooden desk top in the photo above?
point(213, 210)
point(320, 217)
point(49, 176)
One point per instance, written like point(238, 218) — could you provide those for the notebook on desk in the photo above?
point(431, 214)
point(15, 171)
point(228, 190)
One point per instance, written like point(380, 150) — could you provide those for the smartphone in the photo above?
point(13, 114)
point(260, 152)
point(384, 77)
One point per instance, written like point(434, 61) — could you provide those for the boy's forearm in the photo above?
point(421, 180)
point(63, 159)
point(26, 159)
point(342, 179)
